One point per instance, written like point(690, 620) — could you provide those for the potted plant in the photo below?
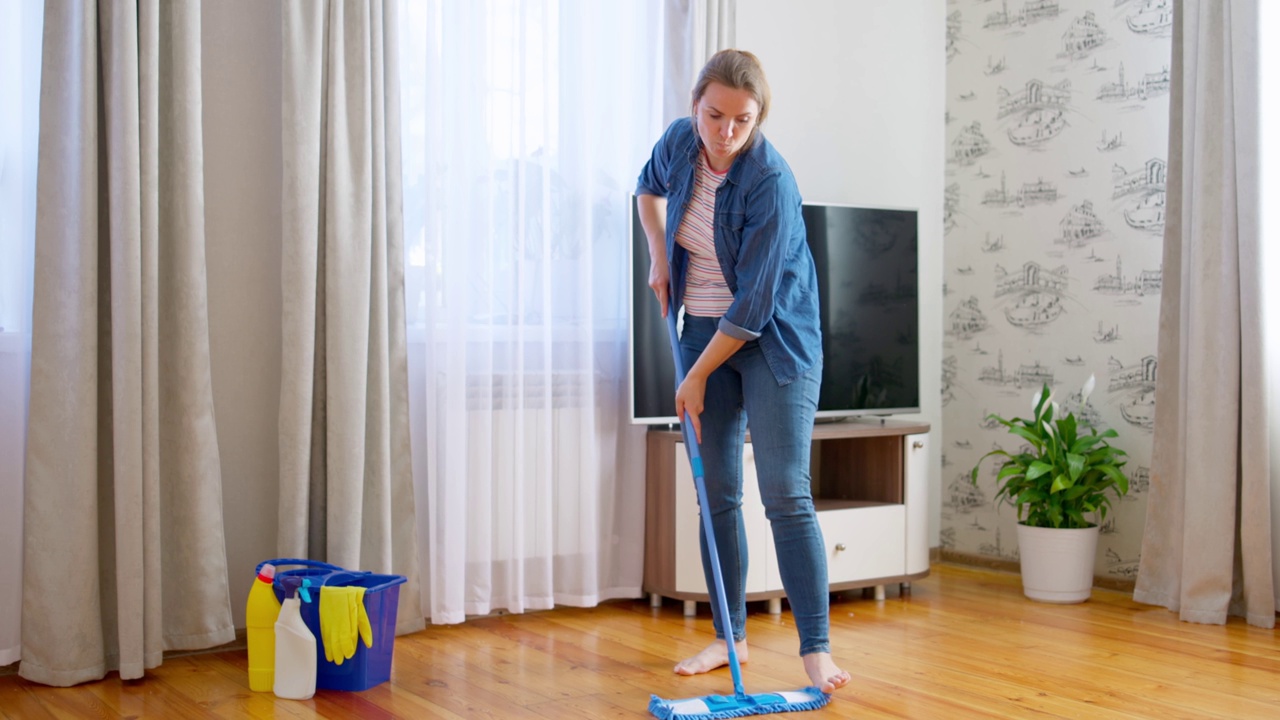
point(1058, 483)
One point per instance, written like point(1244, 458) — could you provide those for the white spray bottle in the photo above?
point(295, 677)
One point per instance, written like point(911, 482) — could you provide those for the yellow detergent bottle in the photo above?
point(260, 628)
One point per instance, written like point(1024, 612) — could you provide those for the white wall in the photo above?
point(858, 92)
point(242, 172)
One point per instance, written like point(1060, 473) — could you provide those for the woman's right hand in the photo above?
point(660, 281)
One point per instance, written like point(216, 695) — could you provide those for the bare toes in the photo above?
point(838, 680)
point(687, 667)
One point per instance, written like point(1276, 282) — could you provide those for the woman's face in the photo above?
point(725, 117)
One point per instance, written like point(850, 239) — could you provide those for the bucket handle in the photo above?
point(341, 575)
point(298, 561)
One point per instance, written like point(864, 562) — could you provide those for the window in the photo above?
point(524, 129)
point(19, 88)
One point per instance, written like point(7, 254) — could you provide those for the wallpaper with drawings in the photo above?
point(1057, 131)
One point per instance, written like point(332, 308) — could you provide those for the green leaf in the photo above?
point(1084, 443)
point(973, 474)
point(1010, 470)
point(1075, 515)
point(1031, 495)
point(1002, 421)
point(1067, 429)
point(1026, 434)
point(1037, 469)
point(1122, 482)
point(1075, 465)
point(1100, 456)
point(1060, 483)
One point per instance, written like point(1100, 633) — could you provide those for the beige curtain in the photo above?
point(693, 31)
point(1206, 549)
point(346, 488)
point(124, 553)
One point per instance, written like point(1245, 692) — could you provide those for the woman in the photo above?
point(730, 246)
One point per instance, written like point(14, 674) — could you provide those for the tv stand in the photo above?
point(870, 489)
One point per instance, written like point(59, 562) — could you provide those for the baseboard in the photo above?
point(992, 563)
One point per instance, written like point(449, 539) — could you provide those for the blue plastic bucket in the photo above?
point(370, 666)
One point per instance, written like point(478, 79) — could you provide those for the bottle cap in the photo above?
point(267, 572)
point(295, 586)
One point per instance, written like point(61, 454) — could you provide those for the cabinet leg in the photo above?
point(775, 606)
point(879, 592)
point(690, 608)
point(655, 600)
point(904, 588)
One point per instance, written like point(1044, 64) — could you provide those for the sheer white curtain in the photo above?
point(1269, 105)
point(525, 125)
point(19, 123)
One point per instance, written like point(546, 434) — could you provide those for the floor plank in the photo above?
point(964, 643)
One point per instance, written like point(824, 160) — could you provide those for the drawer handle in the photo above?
point(916, 445)
point(840, 547)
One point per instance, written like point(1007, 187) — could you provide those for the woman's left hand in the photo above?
point(689, 399)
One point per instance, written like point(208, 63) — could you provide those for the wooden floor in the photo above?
point(964, 643)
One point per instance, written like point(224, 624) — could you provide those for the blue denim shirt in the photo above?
point(759, 241)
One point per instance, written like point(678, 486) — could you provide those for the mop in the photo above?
point(739, 704)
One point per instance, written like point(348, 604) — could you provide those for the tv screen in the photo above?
point(868, 298)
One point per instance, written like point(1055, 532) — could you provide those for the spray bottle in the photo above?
point(295, 677)
point(260, 620)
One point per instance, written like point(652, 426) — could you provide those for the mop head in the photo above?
point(713, 707)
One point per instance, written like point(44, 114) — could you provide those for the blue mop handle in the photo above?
point(695, 463)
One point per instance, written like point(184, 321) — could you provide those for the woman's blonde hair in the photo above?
point(737, 69)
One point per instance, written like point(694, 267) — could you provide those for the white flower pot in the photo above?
point(1057, 564)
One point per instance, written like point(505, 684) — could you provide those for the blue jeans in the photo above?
point(743, 391)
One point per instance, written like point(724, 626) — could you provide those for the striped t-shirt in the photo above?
point(706, 292)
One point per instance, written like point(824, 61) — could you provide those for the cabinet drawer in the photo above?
point(864, 543)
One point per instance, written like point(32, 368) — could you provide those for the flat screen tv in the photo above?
point(868, 296)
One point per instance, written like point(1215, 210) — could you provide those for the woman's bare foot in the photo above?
point(713, 656)
point(823, 672)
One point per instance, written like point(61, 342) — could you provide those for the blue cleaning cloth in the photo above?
point(717, 707)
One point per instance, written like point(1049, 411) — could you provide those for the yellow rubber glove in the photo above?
point(336, 629)
point(361, 622)
point(343, 618)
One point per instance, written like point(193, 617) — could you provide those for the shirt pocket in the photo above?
point(732, 222)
